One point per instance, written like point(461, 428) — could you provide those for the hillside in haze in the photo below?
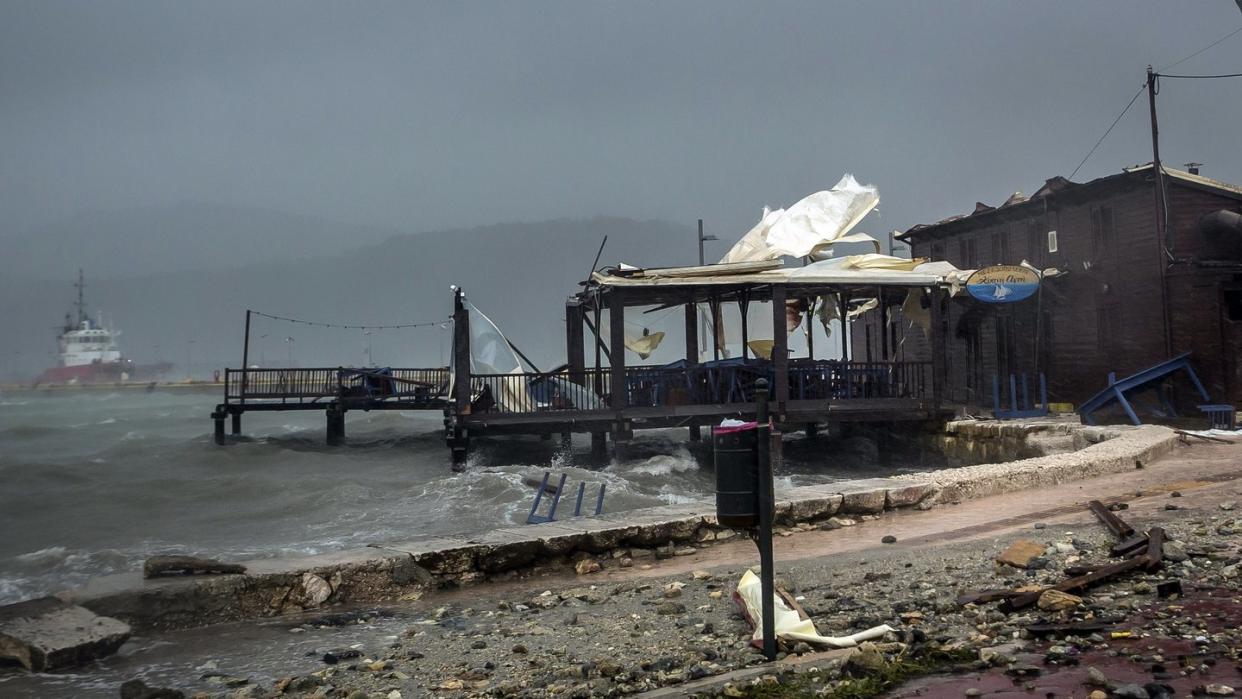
point(147, 241)
point(518, 273)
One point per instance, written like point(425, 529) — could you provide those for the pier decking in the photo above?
point(334, 390)
point(611, 398)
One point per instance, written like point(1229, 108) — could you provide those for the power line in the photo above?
point(1201, 77)
point(1106, 133)
point(349, 327)
point(1205, 48)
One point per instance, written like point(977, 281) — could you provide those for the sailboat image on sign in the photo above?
point(1003, 284)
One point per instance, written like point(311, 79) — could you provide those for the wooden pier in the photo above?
point(335, 391)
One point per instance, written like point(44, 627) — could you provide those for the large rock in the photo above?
point(48, 634)
point(1020, 553)
point(159, 566)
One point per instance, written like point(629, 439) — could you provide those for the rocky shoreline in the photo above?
point(1167, 632)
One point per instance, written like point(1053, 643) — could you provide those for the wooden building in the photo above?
point(1127, 294)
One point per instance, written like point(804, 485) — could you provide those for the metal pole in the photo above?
point(1161, 213)
point(766, 502)
point(245, 359)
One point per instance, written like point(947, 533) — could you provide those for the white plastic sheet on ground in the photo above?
point(490, 353)
point(812, 224)
point(787, 623)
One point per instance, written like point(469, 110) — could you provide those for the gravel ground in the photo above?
point(580, 639)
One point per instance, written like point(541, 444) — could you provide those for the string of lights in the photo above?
point(400, 326)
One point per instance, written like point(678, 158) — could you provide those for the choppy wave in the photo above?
point(140, 476)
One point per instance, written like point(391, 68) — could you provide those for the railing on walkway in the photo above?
point(313, 385)
point(721, 383)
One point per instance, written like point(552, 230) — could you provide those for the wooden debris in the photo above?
point(160, 566)
point(1114, 523)
point(1079, 583)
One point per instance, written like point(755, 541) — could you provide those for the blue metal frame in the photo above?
point(535, 518)
point(1117, 389)
point(1027, 410)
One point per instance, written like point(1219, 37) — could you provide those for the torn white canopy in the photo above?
point(490, 353)
point(817, 221)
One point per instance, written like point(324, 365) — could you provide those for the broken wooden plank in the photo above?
point(1134, 544)
point(1073, 584)
point(1209, 438)
point(1155, 548)
point(985, 596)
point(1114, 523)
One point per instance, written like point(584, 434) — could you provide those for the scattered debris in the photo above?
point(47, 634)
point(1020, 553)
point(160, 566)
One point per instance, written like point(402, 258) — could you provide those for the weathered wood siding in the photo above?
point(1106, 313)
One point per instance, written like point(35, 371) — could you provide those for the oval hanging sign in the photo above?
point(1002, 283)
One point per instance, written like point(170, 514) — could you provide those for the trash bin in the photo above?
point(736, 451)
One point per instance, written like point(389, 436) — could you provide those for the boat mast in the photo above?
point(81, 303)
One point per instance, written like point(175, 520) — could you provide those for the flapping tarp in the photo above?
point(810, 226)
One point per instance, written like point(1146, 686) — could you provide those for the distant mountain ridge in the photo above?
point(519, 273)
point(140, 242)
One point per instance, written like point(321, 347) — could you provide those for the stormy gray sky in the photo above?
point(429, 115)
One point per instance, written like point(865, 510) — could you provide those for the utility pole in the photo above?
point(1161, 211)
point(702, 320)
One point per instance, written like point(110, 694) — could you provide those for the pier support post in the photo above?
point(599, 445)
point(459, 447)
point(336, 424)
point(236, 423)
point(567, 440)
point(218, 419)
point(692, 355)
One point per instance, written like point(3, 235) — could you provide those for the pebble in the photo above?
point(888, 539)
point(1228, 505)
point(974, 692)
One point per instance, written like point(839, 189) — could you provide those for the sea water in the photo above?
point(94, 481)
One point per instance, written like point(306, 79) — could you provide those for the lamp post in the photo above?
point(289, 342)
point(262, 354)
point(370, 358)
point(702, 320)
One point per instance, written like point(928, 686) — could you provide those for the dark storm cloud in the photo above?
point(420, 115)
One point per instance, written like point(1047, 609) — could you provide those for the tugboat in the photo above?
point(89, 353)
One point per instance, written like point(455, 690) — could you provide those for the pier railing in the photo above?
point(320, 384)
point(725, 383)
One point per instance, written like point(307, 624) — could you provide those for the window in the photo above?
point(1101, 231)
point(1052, 241)
point(1233, 304)
point(1034, 243)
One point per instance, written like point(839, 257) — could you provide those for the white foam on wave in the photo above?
point(106, 421)
point(49, 554)
point(660, 465)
